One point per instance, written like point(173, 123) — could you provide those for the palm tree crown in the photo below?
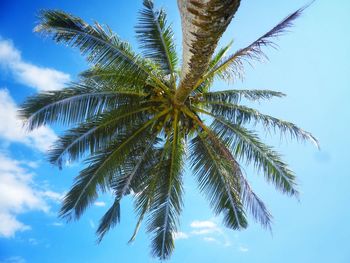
point(138, 119)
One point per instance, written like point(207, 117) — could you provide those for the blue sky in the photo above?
point(311, 66)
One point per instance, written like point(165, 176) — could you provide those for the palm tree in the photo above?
point(139, 118)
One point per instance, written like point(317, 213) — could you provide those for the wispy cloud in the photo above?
point(92, 223)
point(33, 241)
point(201, 228)
point(243, 249)
point(100, 204)
point(203, 224)
point(180, 235)
point(54, 196)
point(39, 78)
point(204, 227)
point(209, 231)
point(15, 259)
point(210, 239)
point(57, 224)
point(18, 195)
point(40, 139)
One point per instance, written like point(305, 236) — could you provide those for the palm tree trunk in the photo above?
point(203, 23)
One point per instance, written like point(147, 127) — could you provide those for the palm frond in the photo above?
point(97, 133)
point(219, 55)
point(205, 85)
point(156, 39)
point(74, 104)
point(144, 186)
point(101, 169)
point(167, 202)
point(109, 220)
point(235, 96)
point(218, 179)
point(239, 114)
point(110, 75)
point(99, 44)
point(247, 146)
point(254, 204)
point(233, 66)
point(249, 198)
point(122, 181)
point(143, 158)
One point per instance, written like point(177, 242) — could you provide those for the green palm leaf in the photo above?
point(219, 55)
point(109, 220)
point(101, 45)
point(167, 203)
point(122, 181)
point(235, 96)
point(144, 184)
point(101, 169)
point(205, 85)
point(246, 145)
point(219, 180)
point(74, 104)
point(254, 204)
point(96, 134)
point(239, 114)
point(156, 39)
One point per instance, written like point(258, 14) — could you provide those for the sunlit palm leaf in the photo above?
point(156, 39)
point(235, 96)
point(74, 104)
point(205, 85)
point(101, 45)
point(219, 55)
point(239, 114)
point(97, 133)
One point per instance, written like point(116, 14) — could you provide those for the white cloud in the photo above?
point(18, 195)
point(199, 228)
point(12, 129)
point(204, 227)
point(211, 232)
point(9, 225)
point(243, 249)
point(57, 224)
point(180, 235)
point(92, 223)
point(210, 239)
point(203, 224)
point(28, 74)
point(205, 231)
point(56, 197)
point(101, 204)
point(33, 241)
point(15, 259)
